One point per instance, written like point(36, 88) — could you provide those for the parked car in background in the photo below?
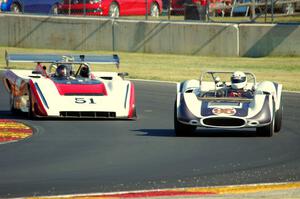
point(30, 6)
point(112, 8)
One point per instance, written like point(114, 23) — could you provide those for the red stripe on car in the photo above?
point(73, 89)
point(131, 102)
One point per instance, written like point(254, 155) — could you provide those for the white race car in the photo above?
point(66, 87)
point(210, 102)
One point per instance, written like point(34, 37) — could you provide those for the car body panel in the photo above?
point(106, 95)
point(195, 107)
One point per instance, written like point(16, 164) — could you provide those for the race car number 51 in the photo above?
point(81, 100)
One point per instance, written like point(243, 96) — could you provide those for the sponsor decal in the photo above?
point(224, 111)
point(212, 108)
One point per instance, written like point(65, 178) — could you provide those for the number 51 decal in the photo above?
point(81, 100)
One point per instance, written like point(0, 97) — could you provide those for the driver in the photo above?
point(61, 71)
point(84, 72)
point(238, 85)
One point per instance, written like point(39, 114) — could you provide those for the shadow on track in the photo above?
point(10, 115)
point(24, 116)
point(200, 132)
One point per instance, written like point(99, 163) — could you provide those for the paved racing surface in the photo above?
point(75, 156)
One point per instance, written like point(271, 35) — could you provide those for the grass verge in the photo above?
point(284, 70)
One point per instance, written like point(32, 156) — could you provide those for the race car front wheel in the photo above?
point(269, 129)
point(266, 131)
point(180, 128)
point(278, 118)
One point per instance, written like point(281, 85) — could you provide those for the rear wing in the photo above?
point(224, 99)
point(61, 59)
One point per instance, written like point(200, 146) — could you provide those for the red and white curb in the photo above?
point(12, 131)
point(184, 192)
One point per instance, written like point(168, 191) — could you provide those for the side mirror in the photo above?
point(123, 74)
point(37, 72)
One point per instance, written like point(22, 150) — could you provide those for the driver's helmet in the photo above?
point(238, 80)
point(85, 72)
point(61, 71)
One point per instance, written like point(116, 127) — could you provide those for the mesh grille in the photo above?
point(87, 114)
point(228, 122)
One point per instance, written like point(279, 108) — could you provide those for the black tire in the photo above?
point(267, 131)
point(114, 10)
point(13, 110)
point(134, 115)
point(31, 115)
point(15, 8)
point(180, 128)
point(278, 118)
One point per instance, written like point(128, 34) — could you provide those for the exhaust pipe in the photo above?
point(253, 123)
point(194, 122)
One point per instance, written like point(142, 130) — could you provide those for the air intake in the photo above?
point(223, 122)
point(87, 114)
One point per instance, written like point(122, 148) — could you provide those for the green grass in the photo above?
point(285, 70)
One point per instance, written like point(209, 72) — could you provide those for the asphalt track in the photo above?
point(75, 156)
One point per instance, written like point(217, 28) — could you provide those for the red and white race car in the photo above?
point(66, 87)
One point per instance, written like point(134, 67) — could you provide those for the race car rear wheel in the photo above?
point(266, 131)
point(31, 114)
point(13, 110)
point(278, 118)
point(180, 128)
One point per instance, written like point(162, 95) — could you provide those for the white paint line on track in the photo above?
point(154, 81)
point(171, 82)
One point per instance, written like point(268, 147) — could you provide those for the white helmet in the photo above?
point(238, 80)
